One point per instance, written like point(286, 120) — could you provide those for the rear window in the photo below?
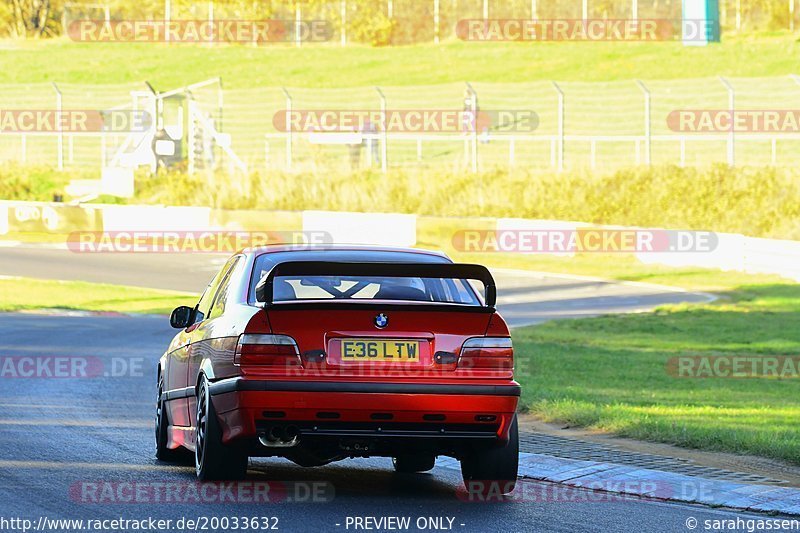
point(360, 288)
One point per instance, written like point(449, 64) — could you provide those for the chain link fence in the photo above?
point(581, 126)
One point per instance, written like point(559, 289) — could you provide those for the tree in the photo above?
point(30, 18)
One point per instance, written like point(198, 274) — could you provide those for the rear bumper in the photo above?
point(239, 384)
point(351, 409)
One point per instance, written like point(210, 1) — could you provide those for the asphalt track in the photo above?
point(63, 437)
point(523, 297)
point(59, 436)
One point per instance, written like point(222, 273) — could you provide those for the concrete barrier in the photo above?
point(155, 218)
point(48, 217)
point(772, 256)
point(388, 229)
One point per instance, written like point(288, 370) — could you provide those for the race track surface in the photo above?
point(61, 436)
point(523, 297)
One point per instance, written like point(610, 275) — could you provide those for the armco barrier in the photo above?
point(734, 252)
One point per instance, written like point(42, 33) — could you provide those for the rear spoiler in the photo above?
point(394, 270)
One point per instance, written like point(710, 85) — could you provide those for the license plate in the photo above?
point(380, 350)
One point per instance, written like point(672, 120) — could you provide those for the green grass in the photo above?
point(330, 66)
point(35, 182)
point(17, 294)
point(609, 373)
point(759, 202)
point(665, 196)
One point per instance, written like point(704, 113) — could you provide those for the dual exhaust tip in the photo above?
point(281, 437)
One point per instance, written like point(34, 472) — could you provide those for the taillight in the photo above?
point(262, 349)
point(492, 353)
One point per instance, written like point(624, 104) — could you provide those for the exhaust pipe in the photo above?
point(291, 433)
point(275, 434)
point(281, 437)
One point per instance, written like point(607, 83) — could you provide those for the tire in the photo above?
point(178, 455)
point(410, 464)
point(496, 466)
point(213, 460)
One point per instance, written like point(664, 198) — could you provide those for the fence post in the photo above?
point(648, 137)
point(473, 101)
point(534, 15)
point(343, 15)
point(585, 10)
point(60, 140)
point(485, 9)
point(791, 16)
point(435, 21)
point(390, 9)
point(288, 127)
point(635, 9)
point(384, 124)
point(560, 155)
point(731, 106)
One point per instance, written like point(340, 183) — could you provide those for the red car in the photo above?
point(320, 354)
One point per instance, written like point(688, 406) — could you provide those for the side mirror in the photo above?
point(181, 317)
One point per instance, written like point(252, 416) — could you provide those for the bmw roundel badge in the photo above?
point(381, 321)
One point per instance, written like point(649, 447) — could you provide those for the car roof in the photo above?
point(273, 248)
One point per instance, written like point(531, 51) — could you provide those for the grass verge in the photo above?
point(610, 373)
point(755, 201)
point(17, 294)
point(169, 66)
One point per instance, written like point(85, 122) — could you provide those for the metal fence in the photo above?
point(591, 126)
